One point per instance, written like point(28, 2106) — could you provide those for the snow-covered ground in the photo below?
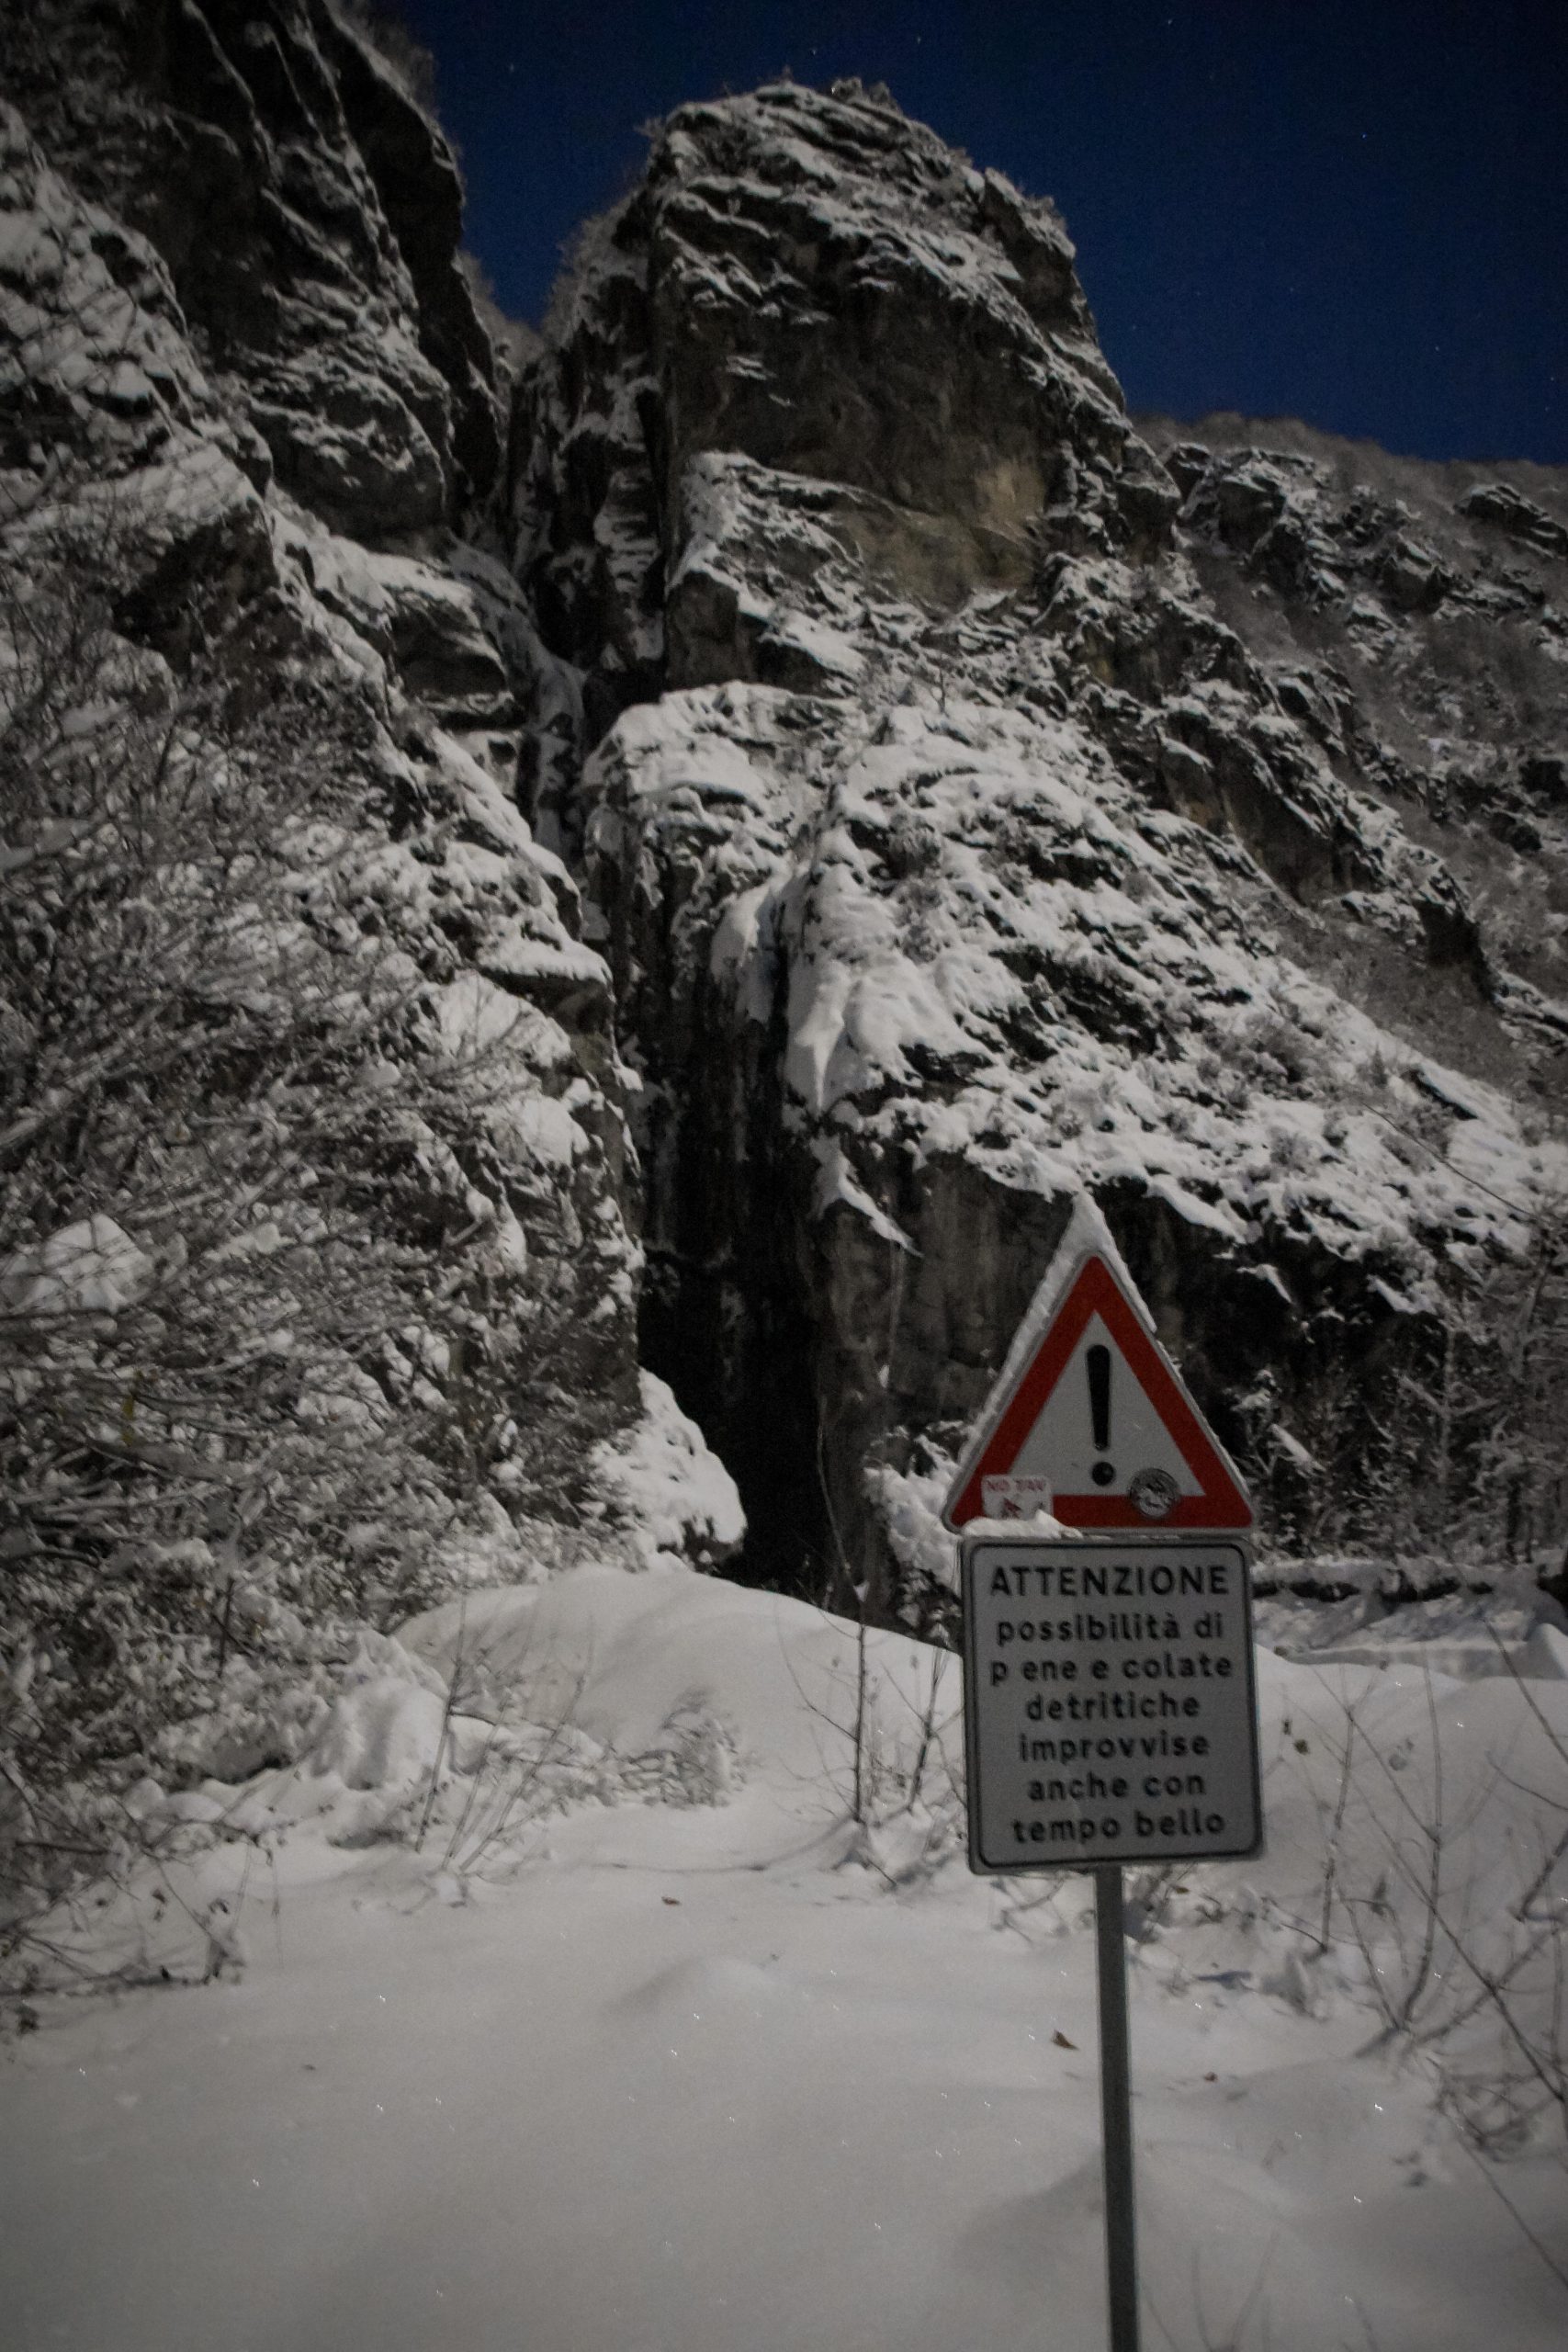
point(644, 2046)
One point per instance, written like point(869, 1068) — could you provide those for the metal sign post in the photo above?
point(1116, 2111)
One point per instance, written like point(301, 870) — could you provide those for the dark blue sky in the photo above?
point(1353, 214)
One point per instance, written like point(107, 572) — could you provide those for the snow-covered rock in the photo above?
point(671, 1492)
point(249, 415)
point(90, 1268)
point(308, 212)
point(974, 851)
point(848, 789)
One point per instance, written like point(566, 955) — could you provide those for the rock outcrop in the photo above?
point(307, 215)
point(249, 432)
point(1413, 618)
point(865, 789)
point(140, 384)
point(955, 844)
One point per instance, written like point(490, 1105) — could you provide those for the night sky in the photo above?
point(1356, 214)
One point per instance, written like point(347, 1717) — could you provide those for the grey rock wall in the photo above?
point(1413, 618)
point(891, 790)
point(236, 341)
point(957, 840)
point(252, 145)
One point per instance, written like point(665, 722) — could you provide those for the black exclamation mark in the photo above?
point(1097, 1363)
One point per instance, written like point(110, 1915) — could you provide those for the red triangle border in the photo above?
point(1220, 1503)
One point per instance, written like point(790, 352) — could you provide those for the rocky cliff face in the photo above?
point(308, 214)
point(993, 809)
point(273, 382)
point(805, 724)
point(1411, 617)
point(248, 426)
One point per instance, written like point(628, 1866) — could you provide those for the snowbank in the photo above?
point(732, 2070)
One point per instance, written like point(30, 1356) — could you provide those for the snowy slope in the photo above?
point(695, 2061)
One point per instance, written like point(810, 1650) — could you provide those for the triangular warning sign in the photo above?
point(1089, 1408)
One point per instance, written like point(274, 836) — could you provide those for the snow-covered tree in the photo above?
point(233, 1216)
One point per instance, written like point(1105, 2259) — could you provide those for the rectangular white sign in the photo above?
point(1109, 1713)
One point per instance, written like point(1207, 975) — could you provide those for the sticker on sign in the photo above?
point(1109, 1713)
point(1016, 1498)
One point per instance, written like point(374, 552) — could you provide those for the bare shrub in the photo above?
point(234, 1207)
point(1462, 1941)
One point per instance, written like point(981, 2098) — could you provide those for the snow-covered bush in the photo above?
point(1472, 1462)
point(1449, 1892)
point(238, 1238)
